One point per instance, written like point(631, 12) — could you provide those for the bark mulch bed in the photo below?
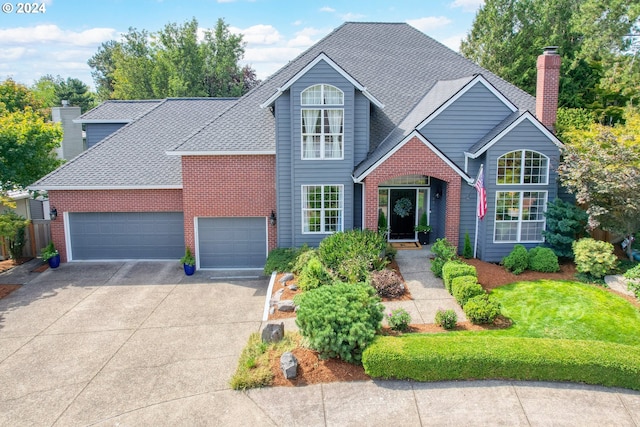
point(313, 370)
point(6, 265)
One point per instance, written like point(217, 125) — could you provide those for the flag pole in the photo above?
point(475, 242)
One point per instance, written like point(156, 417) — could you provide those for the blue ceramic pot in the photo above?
point(189, 269)
point(54, 262)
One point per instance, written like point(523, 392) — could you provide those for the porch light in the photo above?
point(272, 218)
point(53, 214)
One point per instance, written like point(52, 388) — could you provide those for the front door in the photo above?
point(402, 214)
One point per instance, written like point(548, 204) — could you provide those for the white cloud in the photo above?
point(327, 9)
point(306, 37)
point(453, 42)
point(429, 23)
point(53, 34)
point(12, 53)
point(468, 5)
point(259, 34)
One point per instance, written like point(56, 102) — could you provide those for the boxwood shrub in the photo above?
point(424, 357)
point(517, 261)
point(481, 309)
point(452, 269)
point(543, 259)
point(443, 251)
point(464, 288)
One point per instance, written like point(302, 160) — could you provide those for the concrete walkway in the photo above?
point(139, 343)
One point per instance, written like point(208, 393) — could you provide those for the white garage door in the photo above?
point(126, 235)
point(232, 242)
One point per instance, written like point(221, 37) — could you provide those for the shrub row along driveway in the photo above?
point(141, 344)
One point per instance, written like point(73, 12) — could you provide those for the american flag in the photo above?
point(482, 193)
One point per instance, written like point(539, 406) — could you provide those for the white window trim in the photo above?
point(520, 221)
point(322, 107)
point(322, 209)
point(323, 142)
point(522, 154)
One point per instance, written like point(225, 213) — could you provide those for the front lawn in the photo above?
point(562, 331)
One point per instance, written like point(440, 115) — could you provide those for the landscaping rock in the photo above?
point(273, 332)
point(289, 365)
point(293, 287)
point(286, 278)
point(286, 305)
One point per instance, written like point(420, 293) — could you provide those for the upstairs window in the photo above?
point(322, 125)
point(523, 167)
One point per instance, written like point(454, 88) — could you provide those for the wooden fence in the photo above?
point(37, 236)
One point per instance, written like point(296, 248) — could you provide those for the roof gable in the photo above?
point(477, 80)
point(507, 125)
point(309, 66)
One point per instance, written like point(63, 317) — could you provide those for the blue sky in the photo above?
point(62, 39)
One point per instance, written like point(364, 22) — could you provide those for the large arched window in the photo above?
point(322, 122)
point(523, 167)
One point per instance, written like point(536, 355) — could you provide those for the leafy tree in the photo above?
point(27, 145)
point(12, 228)
point(508, 35)
point(74, 91)
point(172, 63)
point(16, 97)
point(602, 170)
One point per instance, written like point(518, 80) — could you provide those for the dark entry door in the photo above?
point(402, 225)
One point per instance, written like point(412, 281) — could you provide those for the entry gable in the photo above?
point(309, 66)
point(359, 177)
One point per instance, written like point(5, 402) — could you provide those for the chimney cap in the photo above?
point(550, 50)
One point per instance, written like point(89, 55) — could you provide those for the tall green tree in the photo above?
point(51, 91)
point(173, 62)
point(601, 167)
point(16, 97)
point(508, 35)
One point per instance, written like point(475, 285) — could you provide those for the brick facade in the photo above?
point(415, 158)
point(108, 201)
point(228, 186)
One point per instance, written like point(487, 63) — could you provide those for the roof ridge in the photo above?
point(205, 125)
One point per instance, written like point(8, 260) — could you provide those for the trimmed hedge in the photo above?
point(453, 269)
point(464, 288)
point(446, 357)
point(543, 259)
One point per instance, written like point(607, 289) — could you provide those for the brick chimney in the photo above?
point(547, 87)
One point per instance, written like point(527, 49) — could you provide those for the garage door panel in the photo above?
point(232, 242)
point(126, 235)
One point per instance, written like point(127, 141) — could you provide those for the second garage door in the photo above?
point(126, 235)
point(232, 242)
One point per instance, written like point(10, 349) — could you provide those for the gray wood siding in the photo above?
point(465, 121)
point(284, 171)
point(361, 128)
point(96, 132)
point(293, 172)
point(524, 136)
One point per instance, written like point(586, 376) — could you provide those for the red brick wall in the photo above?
point(224, 186)
point(415, 158)
point(108, 201)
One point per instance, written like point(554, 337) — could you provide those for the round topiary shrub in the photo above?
point(387, 283)
point(339, 320)
point(481, 309)
point(443, 252)
point(543, 259)
point(517, 261)
point(465, 288)
point(594, 258)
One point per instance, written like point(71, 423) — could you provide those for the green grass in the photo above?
point(253, 367)
point(567, 310)
point(562, 331)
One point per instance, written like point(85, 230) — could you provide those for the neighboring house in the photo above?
point(372, 114)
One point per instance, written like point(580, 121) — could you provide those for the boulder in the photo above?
point(286, 278)
point(293, 287)
point(289, 365)
point(286, 305)
point(273, 332)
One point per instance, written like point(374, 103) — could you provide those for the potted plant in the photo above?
point(188, 262)
point(423, 229)
point(51, 255)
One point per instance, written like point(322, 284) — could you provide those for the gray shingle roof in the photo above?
point(395, 62)
point(135, 155)
point(119, 111)
point(495, 132)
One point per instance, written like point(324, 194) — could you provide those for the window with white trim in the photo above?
point(520, 216)
point(523, 167)
point(322, 208)
point(322, 126)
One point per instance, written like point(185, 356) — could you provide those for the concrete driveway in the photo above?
point(139, 343)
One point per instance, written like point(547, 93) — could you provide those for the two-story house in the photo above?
point(374, 119)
